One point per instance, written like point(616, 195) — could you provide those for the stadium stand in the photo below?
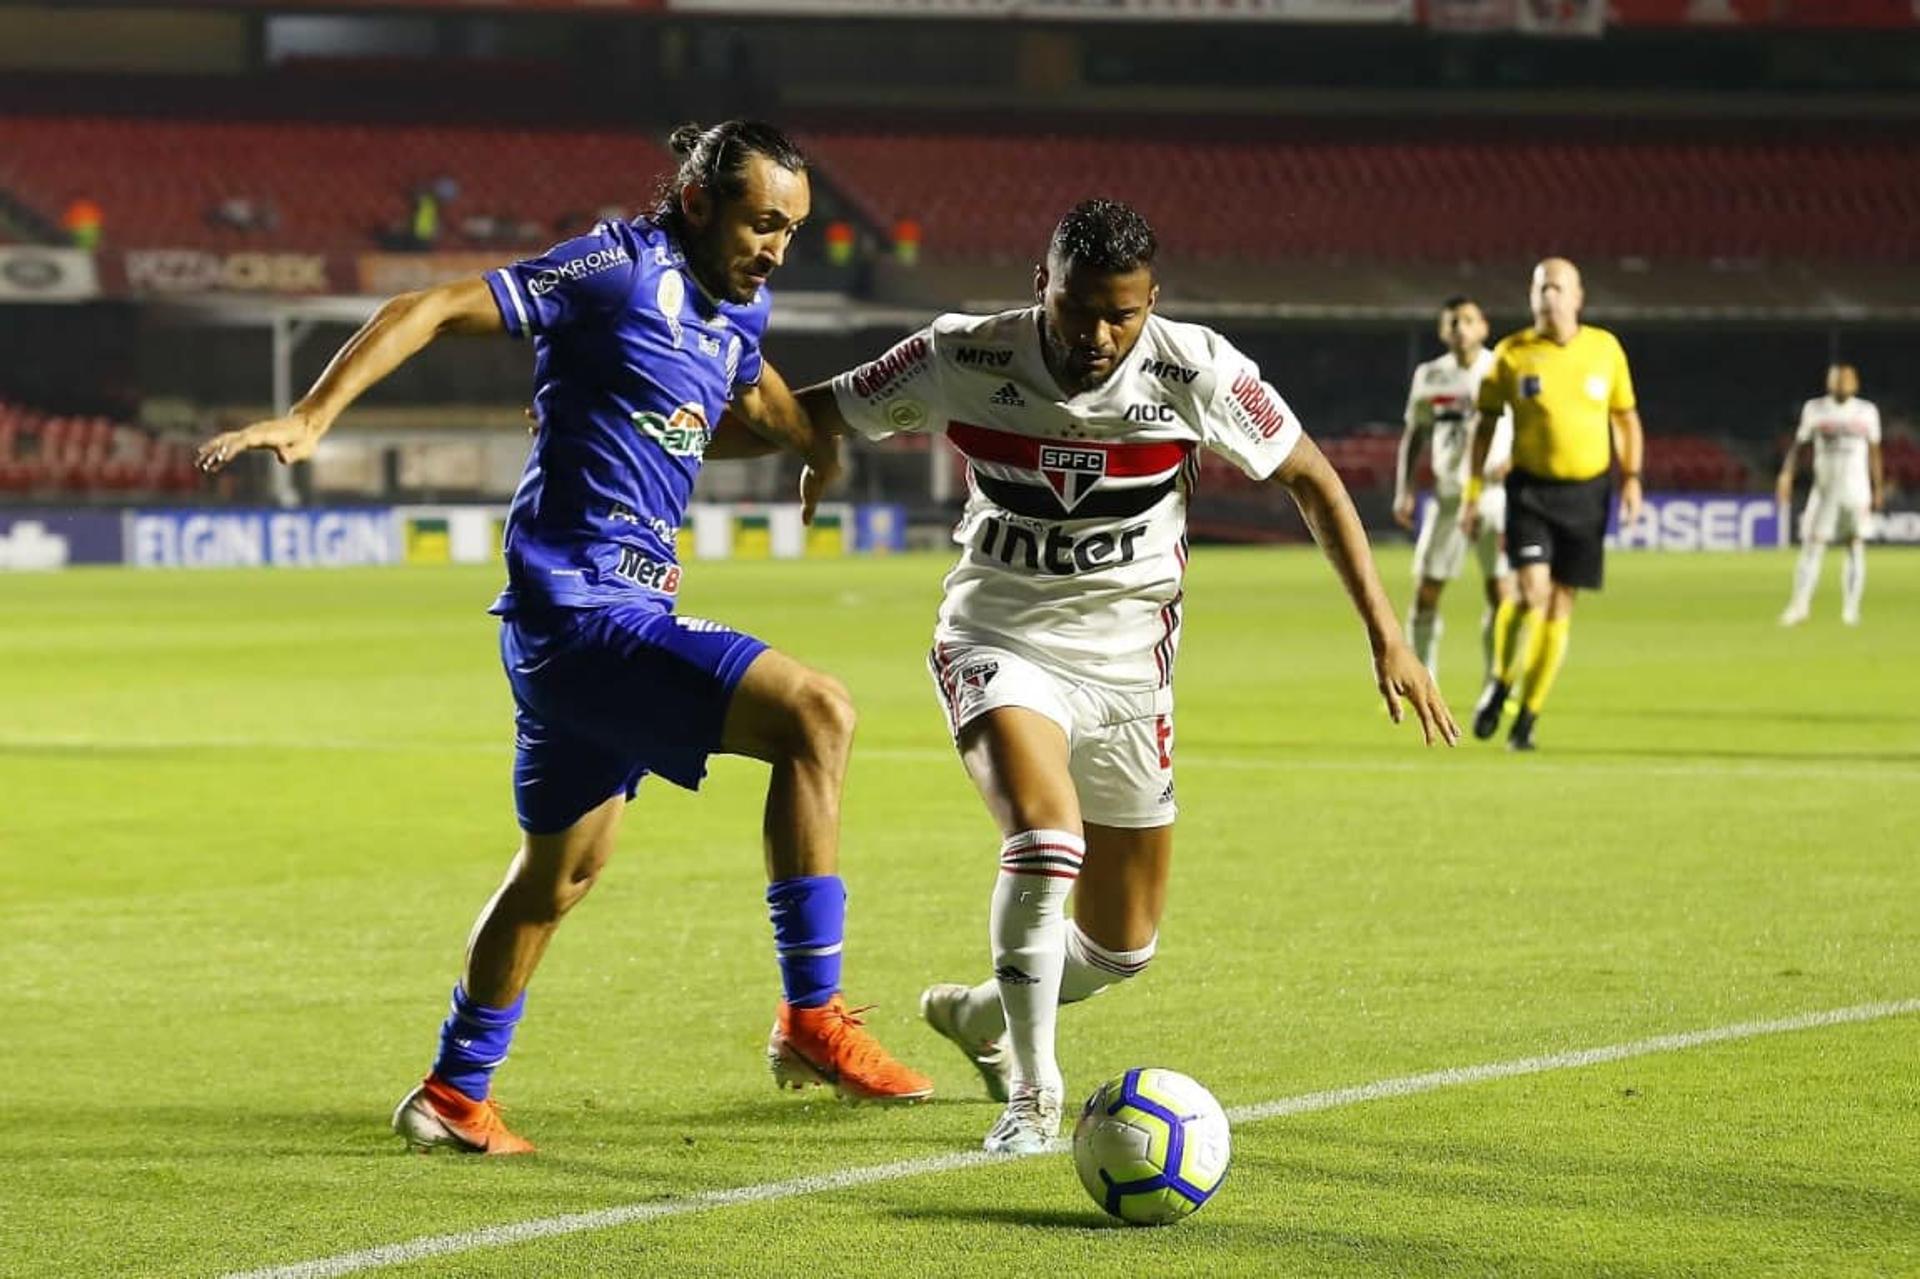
point(334, 187)
point(990, 195)
point(1900, 456)
point(43, 455)
point(978, 193)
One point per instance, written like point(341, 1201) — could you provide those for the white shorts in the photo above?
point(1442, 547)
point(1119, 740)
point(1833, 516)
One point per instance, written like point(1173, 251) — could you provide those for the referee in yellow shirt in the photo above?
point(1573, 415)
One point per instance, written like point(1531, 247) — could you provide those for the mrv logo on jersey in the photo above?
point(1168, 370)
point(983, 357)
point(1055, 552)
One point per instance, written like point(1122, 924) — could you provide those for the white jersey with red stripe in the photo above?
point(1074, 538)
point(1842, 433)
point(1442, 398)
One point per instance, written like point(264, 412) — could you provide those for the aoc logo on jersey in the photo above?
point(682, 435)
point(1072, 472)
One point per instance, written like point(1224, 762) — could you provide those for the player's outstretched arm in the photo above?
point(768, 416)
point(397, 331)
point(1323, 501)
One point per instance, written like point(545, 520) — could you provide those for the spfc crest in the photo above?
point(980, 674)
point(1072, 471)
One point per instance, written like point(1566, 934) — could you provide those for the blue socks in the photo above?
point(809, 923)
point(474, 1041)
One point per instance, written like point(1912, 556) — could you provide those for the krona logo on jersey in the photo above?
point(1072, 472)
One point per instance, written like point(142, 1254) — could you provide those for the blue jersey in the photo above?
point(633, 365)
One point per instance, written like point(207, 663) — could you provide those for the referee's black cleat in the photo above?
point(1520, 736)
point(1486, 711)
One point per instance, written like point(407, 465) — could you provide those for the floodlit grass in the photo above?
point(246, 820)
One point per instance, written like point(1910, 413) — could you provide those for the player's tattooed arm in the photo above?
point(398, 331)
point(1323, 501)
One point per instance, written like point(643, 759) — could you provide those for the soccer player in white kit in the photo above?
point(1081, 419)
point(1440, 405)
point(1847, 483)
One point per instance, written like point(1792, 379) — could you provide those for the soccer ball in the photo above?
point(1151, 1146)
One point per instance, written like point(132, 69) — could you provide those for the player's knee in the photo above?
point(543, 891)
point(821, 718)
point(1426, 600)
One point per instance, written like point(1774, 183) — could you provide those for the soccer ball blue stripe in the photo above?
point(1130, 1095)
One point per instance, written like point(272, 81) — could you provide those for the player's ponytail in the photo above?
point(716, 158)
point(684, 139)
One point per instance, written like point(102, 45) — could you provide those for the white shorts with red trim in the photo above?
point(1119, 740)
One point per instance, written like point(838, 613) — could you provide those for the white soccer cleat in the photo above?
point(1029, 1125)
point(1793, 616)
point(1850, 618)
point(939, 1008)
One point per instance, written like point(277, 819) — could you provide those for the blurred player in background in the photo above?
point(1848, 483)
point(644, 332)
point(1080, 418)
point(1440, 406)
point(1571, 396)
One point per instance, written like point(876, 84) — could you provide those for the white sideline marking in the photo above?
point(822, 1183)
point(1275, 760)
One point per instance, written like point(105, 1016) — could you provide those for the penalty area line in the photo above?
point(825, 1183)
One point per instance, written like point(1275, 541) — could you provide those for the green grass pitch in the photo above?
point(247, 818)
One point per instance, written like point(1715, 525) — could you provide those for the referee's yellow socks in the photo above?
point(1523, 635)
point(1507, 615)
point(1544, 664)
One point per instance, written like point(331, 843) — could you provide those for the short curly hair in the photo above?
point(1106, 235)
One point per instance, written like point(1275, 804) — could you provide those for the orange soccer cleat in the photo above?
point(830, 1045)
point(438, 1114)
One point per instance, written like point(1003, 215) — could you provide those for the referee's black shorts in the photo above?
point(1559, 523)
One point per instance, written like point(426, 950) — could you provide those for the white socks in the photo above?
point(1090, 969)
point(1423, 633)
point(1806, 575)
point(1853, 581)
point(1027, 928)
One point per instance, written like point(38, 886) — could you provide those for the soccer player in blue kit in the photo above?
point(643, 332)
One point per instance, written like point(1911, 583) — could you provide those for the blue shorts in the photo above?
point(604, 696)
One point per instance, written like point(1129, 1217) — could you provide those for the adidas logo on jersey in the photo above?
point(1008, 396)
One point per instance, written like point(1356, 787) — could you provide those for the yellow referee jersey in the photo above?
point(1561, 397)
